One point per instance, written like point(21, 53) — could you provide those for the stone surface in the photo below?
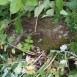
point(48, 35)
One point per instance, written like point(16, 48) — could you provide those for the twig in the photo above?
point(37, 59)
point(45, 64)
point(36, 24)
point(12, 62)
point(71, 53)
point(22, 75)
point(51, 61)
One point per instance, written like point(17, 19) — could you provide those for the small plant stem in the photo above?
point(37, 58)
point(36, 24)
point(21, 75)
point(16, 18)
point(51, 61)
point(13, 62)
point(42, 68)
point(14, 46)
point(38, 75)
point(66, 59)
point(71, 53)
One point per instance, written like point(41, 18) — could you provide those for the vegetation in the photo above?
point(23, 59)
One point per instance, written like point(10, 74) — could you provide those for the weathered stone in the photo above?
point(48, 35)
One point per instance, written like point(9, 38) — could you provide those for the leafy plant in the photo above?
point(71, 21)
point(73, 45)
point(72, 4)
point(25, 46)
point(28, 44)
point(47, 6)
point(58, 7)
point(18, 26)
point(11, 7)
point(73, 73)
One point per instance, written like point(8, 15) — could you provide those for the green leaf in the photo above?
point(14, 66)
point(19, 46)
point(73, 72)
point(48, 4)
point(15, 6)
point(20, 56)
point(29, 39)
point(3, 24)
point(49, 13)
point(31, 2)
point(72, 4)
point(63, 12)
point(5, 47)
point(73, 75)
point(28, 8)
point(3, 37)
point(18, 26)
point(73, 47)
point(11, 39)
point(58, 7)
point(26, 47)
point(2, 57)
point(13, 51)
point(3, 2)
point(44, 6)
point(38, 10)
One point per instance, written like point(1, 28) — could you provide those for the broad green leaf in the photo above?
point(18, 26)
point(28, 8)
point(15, 6)
point(48, 4)
point(52, 4)
point(10, 39)
point(3, 24)
point(31, 2)
point(63, 12)
point(3, 2)
point(38, 10)
point(72, 4)
point(3, 37)
point(18, 69)
point(49, 13)
point(44, 6)
point(14, 66)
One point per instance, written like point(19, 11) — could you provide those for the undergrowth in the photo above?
point(57, 63)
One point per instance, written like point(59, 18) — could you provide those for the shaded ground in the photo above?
point(48, 36)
